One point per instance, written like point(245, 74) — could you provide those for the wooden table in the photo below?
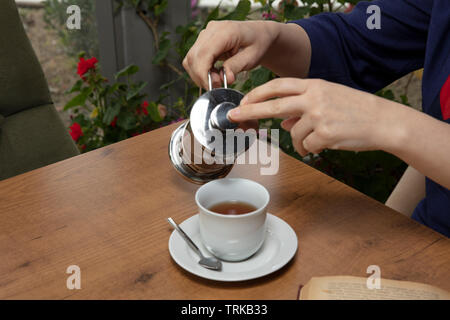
point(106, 210)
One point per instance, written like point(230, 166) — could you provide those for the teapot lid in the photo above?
point(208, 118)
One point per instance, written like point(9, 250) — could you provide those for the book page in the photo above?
point(355, 288)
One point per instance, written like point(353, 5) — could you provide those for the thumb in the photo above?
point(241, 61)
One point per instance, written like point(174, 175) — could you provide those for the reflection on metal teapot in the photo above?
point(206, 146)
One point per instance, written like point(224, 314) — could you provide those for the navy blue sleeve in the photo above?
point(346, 51)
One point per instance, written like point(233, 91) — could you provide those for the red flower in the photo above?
point(269, 16)
point(75, 131)
point(143, 108)
point(349, 8)
point(444, 98)
point(114, 122)
point(85, 65)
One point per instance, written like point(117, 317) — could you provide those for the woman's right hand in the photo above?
point(240, 44)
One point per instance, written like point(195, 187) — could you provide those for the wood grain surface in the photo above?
point(106, 211)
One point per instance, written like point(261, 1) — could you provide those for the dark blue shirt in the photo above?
point(414, 34)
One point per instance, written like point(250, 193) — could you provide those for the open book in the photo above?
point(355, 288)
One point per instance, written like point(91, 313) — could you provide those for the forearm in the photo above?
point(420, 140)
point(409, 191)
point(290, 53)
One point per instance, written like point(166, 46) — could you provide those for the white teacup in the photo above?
point(232, 237)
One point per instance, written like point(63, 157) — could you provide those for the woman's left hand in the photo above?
point(321, 114)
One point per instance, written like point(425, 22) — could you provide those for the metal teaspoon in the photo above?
point(206, 262)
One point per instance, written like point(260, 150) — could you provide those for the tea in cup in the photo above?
point(232, 217)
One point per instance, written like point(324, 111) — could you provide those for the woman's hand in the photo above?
point(242, 45)
point(321, 114)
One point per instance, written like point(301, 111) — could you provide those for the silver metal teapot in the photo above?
point(208, 114)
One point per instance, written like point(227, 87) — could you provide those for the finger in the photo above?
point(299, 132)
point(289, 123)
point(224, 56)
point(281, 87)
point(314, 144)
point(241, 61)
point(202, 57)
point(209, 47)
point(215, 79)
point(199, 71)
point(186, 67)
point(278, 108)
point(189, 59)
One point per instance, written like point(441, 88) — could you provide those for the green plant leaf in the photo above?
point(149, 4)
point(164, 46)
point(113, 88)
point(79, 100)
point(386, 93)
point(126, 121)
point(111, 113)
point(160, 8)
point(76, 87)
point(213, 15)
point(260, 76)
point(292, 12)
point(153, 112)
point(314, 10)
point(170, 83)
point(404, 100)
point(240, 12)
point(132, 93)
point(187, 45)
point(127, 71)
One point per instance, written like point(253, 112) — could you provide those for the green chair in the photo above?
point(31, 133)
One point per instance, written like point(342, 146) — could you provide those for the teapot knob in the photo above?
point(219, 119)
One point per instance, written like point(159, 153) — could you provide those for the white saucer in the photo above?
point(278, 248)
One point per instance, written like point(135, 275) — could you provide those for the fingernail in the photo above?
point(244, 100)
point(233, 113)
